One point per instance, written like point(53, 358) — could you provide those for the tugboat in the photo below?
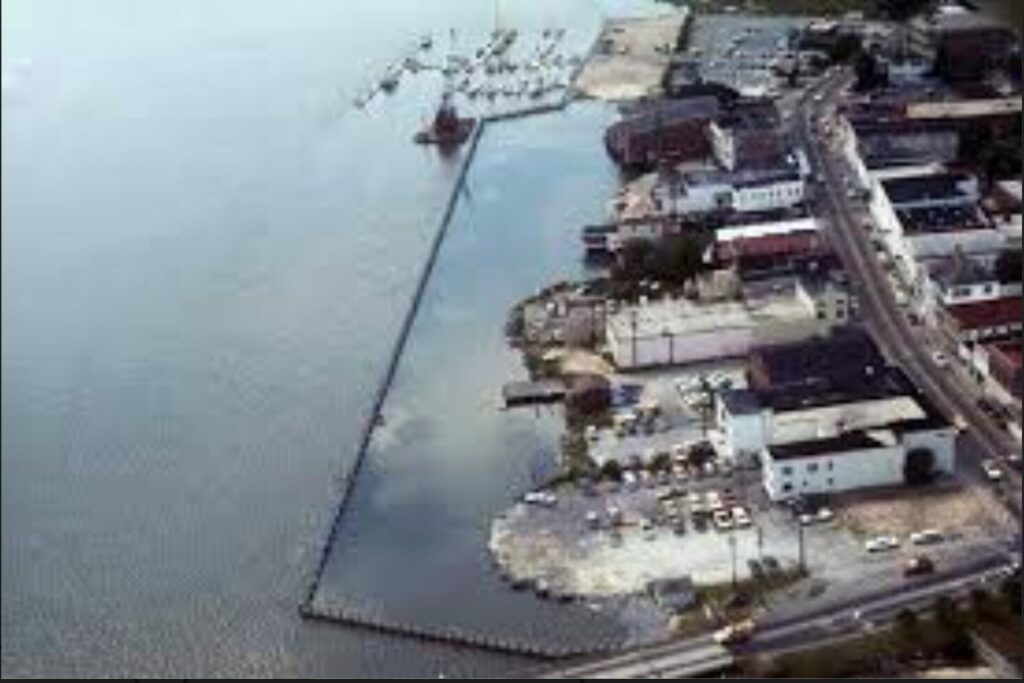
point(448, 128)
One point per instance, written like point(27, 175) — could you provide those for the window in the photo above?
point(830, 482)
point(787, 487)
point(787, 471)
point(830, 467)
point(812, 467)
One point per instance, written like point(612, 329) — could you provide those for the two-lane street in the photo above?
point(847, 217)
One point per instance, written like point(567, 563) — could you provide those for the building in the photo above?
point(970, 323)
point(1001, 363)
point(857, 459)
point(673, 129)
point(828, 415)
point(768, 248)
point(962, 45)
point(746, 135)
point(960, 279)
point(660, 204)
point(678, 331)
point(928, 217)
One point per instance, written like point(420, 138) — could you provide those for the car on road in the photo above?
point(992, 470)
point(940, 359)
point(1013, 459)
point(927, 537)
point(881, 544)
point(919, 566)
point(739, 632)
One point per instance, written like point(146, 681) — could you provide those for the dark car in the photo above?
point(756, 570)
point(919, 566)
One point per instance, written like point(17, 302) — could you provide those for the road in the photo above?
point(848, 217)
point(807, 626)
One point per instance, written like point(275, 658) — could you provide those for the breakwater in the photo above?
point(310, 607)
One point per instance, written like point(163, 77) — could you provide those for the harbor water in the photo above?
point(206, 256)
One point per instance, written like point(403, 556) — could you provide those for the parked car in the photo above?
point(771, 565)
point(543, 498)
point(882, 544)
point(941, 359)
point(723, 520)
point(919, 566)
point(926, 537)
point(823, 515)
point(992, 470)
point(740, 517)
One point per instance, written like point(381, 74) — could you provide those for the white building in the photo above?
point(677, 331)
point(923, 218)
point(652, 206)
point(855, 459)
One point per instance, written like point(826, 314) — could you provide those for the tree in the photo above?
point(908, 625)
point(677, 259)
point(611, 470)
point(948, 614)
point(662, 462)
point(1008, 265)
point(634, 260)
point(845, 48)
point(1011, 591)
point(919, 467)
point(588, 395)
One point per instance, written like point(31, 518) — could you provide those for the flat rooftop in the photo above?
point(938, 219)
point(986, 314)
point(753, 230)
point(939, 186)
point(681, 317)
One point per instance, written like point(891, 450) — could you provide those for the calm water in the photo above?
point(413, 542)
point(205, 259)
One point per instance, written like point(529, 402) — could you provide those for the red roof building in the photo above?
point(981, 320)
point(1004, 365)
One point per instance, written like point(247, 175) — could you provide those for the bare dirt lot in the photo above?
point(631, 57)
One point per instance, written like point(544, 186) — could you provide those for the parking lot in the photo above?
point(739, 50)
point(613, 540)
point(670, 408)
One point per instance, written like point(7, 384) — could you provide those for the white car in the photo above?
point(741, 517)
point(723, 520)
point(941, 359)
point(992, 470)
point(881, 544)
point(824, 515)
point(926, 537)
point(543, 498)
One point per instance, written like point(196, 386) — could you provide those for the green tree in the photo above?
point(919, 467)
point(908, 625)
point(1011, 592)
point(611, 470)
point(845, 48)
point(948, 614)
point(661, 462)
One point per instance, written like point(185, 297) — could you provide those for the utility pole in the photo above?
point(760, 543)
point(803, 560)
point(732, 550)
